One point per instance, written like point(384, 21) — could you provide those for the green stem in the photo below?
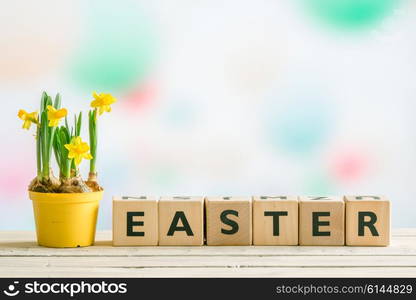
point(67, 168)
point(50, 141)
point(38, 154)
point(92, 122)
point(44, 145)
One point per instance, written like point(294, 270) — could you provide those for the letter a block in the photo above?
point(367, 221)
point(181, 221)
point(275, 220)
point(135, 221)
point(321, 221)
point(228, 221)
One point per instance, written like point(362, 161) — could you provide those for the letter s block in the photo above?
point(181, 221)
point(275, 220)
point(367, 221)
point(135, 221)
point(229, 221)
point(321, 221)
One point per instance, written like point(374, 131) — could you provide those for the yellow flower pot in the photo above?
point(67, 219)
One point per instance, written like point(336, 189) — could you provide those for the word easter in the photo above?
point(264, 220)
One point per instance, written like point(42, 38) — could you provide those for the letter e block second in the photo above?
point(321, 221)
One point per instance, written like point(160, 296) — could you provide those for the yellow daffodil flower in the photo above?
point(28, 118)
point(54, 115)
point(78, 150)
point(102, 102)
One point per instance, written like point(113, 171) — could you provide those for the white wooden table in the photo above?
point(21, 257)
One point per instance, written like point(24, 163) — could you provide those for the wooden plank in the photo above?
point(210, 272)
point(106, 235)
point(213, 261)
point(400, 246)
point(21, 257)
point(403, 231)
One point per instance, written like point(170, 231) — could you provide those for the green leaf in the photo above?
point(48, 101)
point(57, 103)
point(65, 135)
point(75, 124)
point(66, 123)
point(78, 125)
point(57, 149)
point(43, 101)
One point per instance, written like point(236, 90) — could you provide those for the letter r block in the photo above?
point(228, 221)
point(181, 221)
point(367, 221)
point(275, 220)
point(135, 221)
point(321, 221)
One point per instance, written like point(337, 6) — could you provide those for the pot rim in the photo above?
point(63, 198)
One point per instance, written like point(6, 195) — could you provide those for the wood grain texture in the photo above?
point(21, 257)
point(330, 228)
point(143, 205)
point(219, 230)
point(263, 224)
point(379, 207)
point(181, 212)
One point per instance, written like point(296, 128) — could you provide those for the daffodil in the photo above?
point(102, 102)
point(28, 118)
point(54, 115)
point(78, 150)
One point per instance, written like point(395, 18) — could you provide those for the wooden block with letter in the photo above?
point(275, 220)
point(367, 221)
point(321, 221)
point(228, 221)
point(135, 221)
point(181, 221)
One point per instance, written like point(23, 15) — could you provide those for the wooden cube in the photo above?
point(181, 221)
point(321, 221)
point(135, 221)
point(275, 220)
point(367, 221)
point(228, 220)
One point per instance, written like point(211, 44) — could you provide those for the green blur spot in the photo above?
point(317, 184)
point(118, 49)
point(163, 176)
point(350, 14)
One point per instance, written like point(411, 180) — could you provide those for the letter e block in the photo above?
point(367, 221)
point(135, 221)
point(181, 221)
point(228, 221)
point(275, 220)
point(321, 221)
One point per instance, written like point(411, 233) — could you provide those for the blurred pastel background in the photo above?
point(312, 97)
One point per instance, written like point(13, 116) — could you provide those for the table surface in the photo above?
point(20, 256)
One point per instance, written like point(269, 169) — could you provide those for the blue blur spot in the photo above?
point(301, 127)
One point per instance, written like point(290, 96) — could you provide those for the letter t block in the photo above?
point(321, 221)
point(367, 221)
point(135, 221)
point(275, 220)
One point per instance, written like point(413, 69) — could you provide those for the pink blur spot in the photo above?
point(140, 98)
point(16, 178)
point(349, 166)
